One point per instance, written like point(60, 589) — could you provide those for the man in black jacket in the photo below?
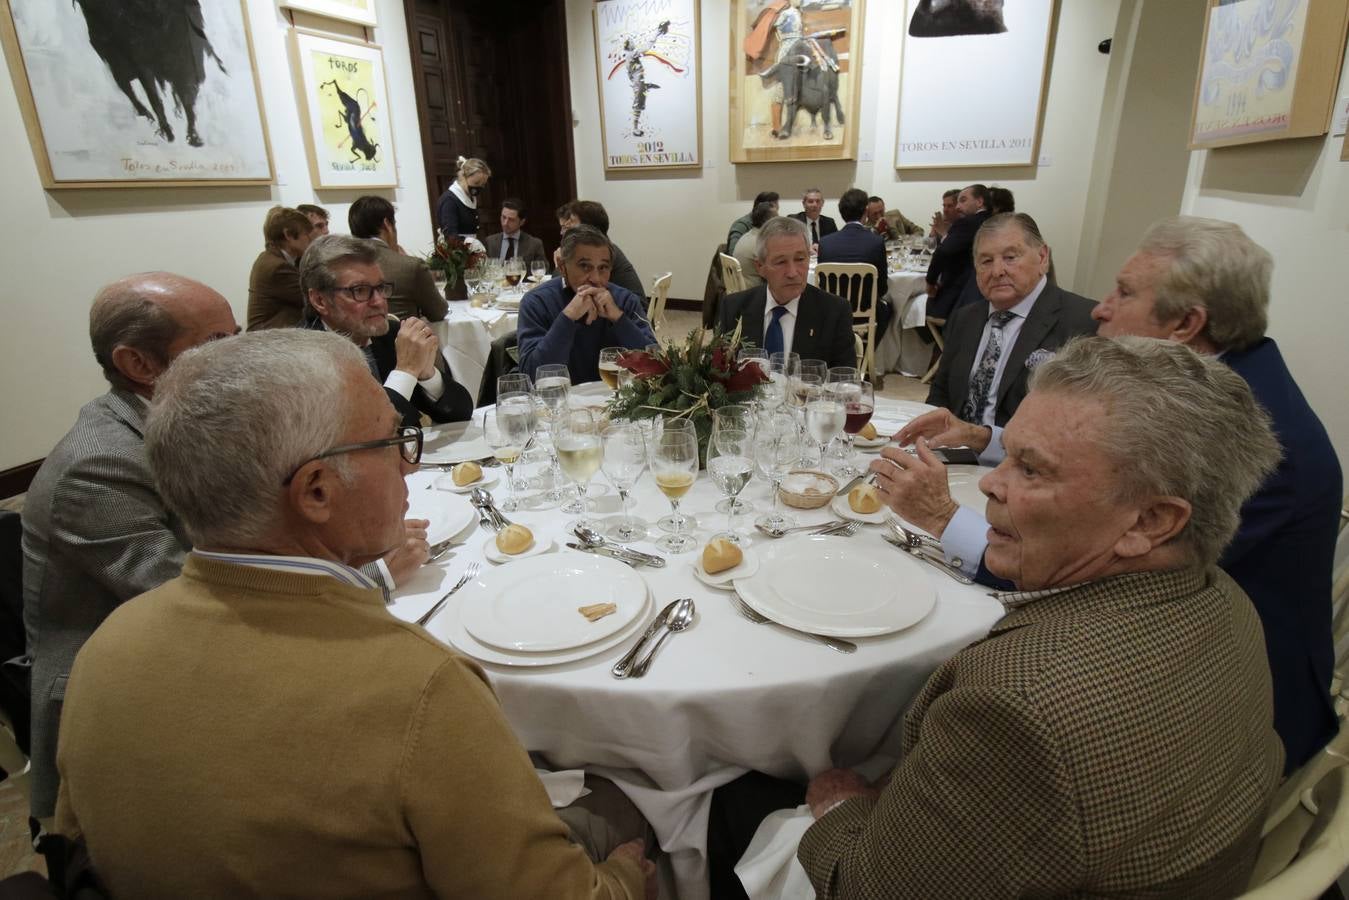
point(818, 226)
point(952, 261)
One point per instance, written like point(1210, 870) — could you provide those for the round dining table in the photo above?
point(466, 334)
point(724, 696)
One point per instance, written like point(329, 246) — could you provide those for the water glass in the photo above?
point(777, 447)
point(624, 460)
point(514, 383)
point(730, 462)
point(508, 429)
point(738, 417)
point(824, 416)
point(538, 268)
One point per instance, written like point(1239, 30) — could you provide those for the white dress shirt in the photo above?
point(405, 382)
point(787, 322)
point(506, 244)
point(1010, 331)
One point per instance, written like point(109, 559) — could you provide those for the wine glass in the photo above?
point(730, 462)
point(624, 460)
point(675, 465)
point(859, 401)
point(552, 390)
point(777, 447)
point(514, 383)
point(783, 370)
point(609, 367)
point(576, 438)
point(824, 416)
point(473, 276)
point(816, 367)
point(538, 268)
point(509, 428)
point(676, 520)
point(737, 417)
point(513, 270)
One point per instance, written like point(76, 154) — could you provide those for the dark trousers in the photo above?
point(737, 810)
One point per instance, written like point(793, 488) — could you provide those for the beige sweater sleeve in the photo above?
point(480, 817)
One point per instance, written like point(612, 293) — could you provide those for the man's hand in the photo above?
point(932, 288)
point(635, 850)
point(411, 556)
point(915, 487)
point(833, 785)
point(942, 428)
point(415, 348)
point(581, 308)
point(605, 305)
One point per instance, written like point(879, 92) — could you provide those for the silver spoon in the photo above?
point(594, 538)
point(681, 618)
point(837, 526)
point(482, 500)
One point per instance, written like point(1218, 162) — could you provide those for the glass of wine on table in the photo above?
point(609, 367)
point(580, 451)
point(674, 463)
point(509, 427)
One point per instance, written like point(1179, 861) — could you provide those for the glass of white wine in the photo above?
point(609, 367)
point(675, 520)
point(675, 466)
point(576, 438)
point(509, 428)
point(624, 460)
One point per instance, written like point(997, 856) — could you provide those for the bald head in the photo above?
point(138, 324)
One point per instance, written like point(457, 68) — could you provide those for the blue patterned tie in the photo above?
point(982, 380)
point(772, 338)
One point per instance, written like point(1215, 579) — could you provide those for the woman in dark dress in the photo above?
point(457, 211)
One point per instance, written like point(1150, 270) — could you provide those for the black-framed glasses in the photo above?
point(363, 293)
point(408, 441)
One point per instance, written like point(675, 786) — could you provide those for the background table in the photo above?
point(723, 697)
point(901, 349)
point(466, 334)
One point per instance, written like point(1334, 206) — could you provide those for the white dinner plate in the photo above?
point(892, 415)
point(489, 550)
point(455, 442)
point(531, 605)
point(964, 484)
point(448, 515)
point(838, 586)
point(449, 629)
point(446, 482)
point(722, 580)
point(840, 506)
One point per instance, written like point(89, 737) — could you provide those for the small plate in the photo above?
point(722, 580)
point(489, 550)
point(875, 443)
point(448, 515)
point(446, 482)
point(841, 507)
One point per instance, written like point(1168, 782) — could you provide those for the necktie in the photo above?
point(814, 233)
point(981, 382)
point(510, 248)
point(772, 336)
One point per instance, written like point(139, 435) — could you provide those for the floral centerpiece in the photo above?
point(688, 381)
point(451, 256)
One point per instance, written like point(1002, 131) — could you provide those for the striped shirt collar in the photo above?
point(298, 565)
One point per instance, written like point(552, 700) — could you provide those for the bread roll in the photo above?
point(867, 432)
point(514, 539)
point(721, 555)
point(466, 473)
point(864, 499)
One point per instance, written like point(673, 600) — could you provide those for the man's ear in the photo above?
point(136, 366)
point(310, 492)
point(1158, 522)
point(1191, 325)
point(319, 302)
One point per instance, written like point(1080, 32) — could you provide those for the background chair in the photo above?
point(731, 275)
point(1306, 842)
point(660, 292)
point(857, 283)
point(935, 325)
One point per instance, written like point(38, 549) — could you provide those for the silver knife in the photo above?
point(624, 556)
point(624, 665)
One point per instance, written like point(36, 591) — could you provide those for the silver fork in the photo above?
point(469, 574)
point(832, 643)
point(913, 545)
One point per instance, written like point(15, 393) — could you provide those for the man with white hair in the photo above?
point(261, 725)
point(1206, 284)
point(1086, 746)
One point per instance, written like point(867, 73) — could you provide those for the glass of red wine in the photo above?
point(859, 401)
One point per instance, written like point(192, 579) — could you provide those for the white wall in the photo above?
point(673, 222)
point(59, 247)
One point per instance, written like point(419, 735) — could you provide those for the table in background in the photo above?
point(466, 334)
point(901, 349)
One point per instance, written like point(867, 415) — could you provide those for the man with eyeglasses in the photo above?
point(264, 708)
point(347, 293)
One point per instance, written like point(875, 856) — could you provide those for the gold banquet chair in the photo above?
point(731, 275)
point(660, 293)
point(858, 284)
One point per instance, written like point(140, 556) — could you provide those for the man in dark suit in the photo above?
point(856, 243)
point(818, 226)
point(513, 242)
point(347, 293)
point(952, 263)
point(414, 291)
point(801, 318)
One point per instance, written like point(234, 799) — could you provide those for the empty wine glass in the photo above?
point(675, 466)
point(783, 370)
point(738, 417)
point(508, 428)
point(473, 276)
point(514, 383)
point(609, 367)
point(538, 268)
point(777, 447)
point(730, 462)
point(576, 438)
point(624, 460)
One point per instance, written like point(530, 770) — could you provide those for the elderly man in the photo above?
point(571, 319)
point(260, 725)
point(817, 225)
point(741, 226)
point(513, 242)
point(589, 212)
point(990, 346)
point(888, 223)
point(1206, 284)
point(1086, 747)
point(274, 296)
point(952, 262)
point(414, 291)
point(348, 293)
point(786, 313)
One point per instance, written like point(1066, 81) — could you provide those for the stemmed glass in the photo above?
point(609, 367)
point(733, 417)
point(783, 370)
point(538, 268)
point(473, 276)
point(509, 427)
point(676, 520)
point(859, 400)
point(824, 416)
point(777, 447)
point(675, 465)
point(624, 460)
point(576, 439)
point(514, 383)
point(815, 368)
point(552, 390)
point(730, 461)
point(513, 270)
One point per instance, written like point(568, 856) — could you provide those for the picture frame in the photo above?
point(649, 75)
point(195, 121)
point(1268, 72)
point(1012, 39)
point(772, 125)
point(362, 12)
point(344, 111)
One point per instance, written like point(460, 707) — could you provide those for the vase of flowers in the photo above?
point(688, 381)
point(449, 258)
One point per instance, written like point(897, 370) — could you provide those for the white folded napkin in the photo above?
point(769, 869)
point(565, 787)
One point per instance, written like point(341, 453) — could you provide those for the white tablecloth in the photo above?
point(466, 336)
point(900, 349)
point(723, 697)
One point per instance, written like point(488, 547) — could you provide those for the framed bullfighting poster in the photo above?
point(156, 93)
point(1010, 42)
point(649, 72)
point(362, 12)
point(796, 75)
point(344, 106)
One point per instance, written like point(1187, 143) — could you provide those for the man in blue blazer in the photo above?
point(1204, 283)
point(856, 243)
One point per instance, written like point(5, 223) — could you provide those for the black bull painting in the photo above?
point(809, 78)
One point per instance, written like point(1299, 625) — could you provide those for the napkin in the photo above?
point(565, 787)
point(769, 869)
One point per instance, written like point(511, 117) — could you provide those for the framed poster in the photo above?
point(345, 110)
point(361, 12)
point(650, 79)
point(796, 76)
point(936, 89)
point(124, 95)
point(1268, 71)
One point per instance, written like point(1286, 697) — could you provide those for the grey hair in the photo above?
point(126, 313)
point(326, 252)
point(808, 191)
point(1179, 424)
point(1030, 229)
point(776, 227)
point(1216, 267)
point(584, 236)
point(231, 420)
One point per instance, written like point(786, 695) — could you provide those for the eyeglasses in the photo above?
point(408, 441)
point(363, 293)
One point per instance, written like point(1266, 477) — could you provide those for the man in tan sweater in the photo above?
point(260, 725)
